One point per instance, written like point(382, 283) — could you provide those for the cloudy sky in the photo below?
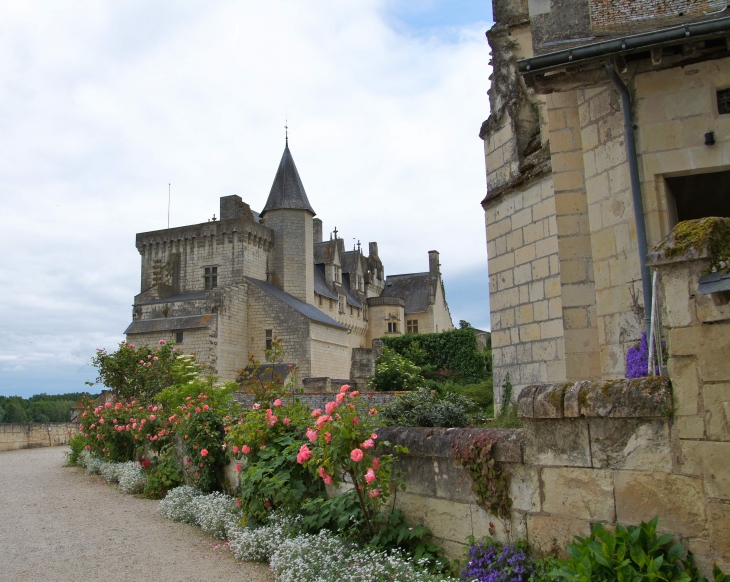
point(103, 103)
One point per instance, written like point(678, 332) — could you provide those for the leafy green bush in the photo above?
point(481, 393)
point(449, 354)
point(394, 372)
point(426, 408)
point(77, 444)
point(633, 553)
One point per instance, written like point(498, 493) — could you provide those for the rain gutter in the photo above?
point(627, 44)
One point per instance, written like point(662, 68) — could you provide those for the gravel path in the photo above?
point(58, 524)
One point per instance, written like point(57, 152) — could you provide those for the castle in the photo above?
point(224, 289)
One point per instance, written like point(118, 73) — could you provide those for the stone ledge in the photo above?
point(639, 398)
point(436, 442)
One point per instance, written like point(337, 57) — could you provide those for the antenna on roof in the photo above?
point(286, 131)
point(168, 206)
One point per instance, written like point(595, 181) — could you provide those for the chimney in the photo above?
point(234, 207)
point(433, 263)
point(373, 247)
point(317, 231)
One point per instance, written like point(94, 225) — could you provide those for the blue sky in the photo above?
point(104, 103)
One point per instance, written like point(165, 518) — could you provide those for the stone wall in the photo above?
point(590, 452)
point(605, 451)
point(32, 434)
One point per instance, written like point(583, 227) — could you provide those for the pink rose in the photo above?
point(355, 393)
point(374, 493)
point(197, 410)
point(101, 421)
point(114, 421)
point(235, 450)
point(120, 428)
point(312, 435)
point(356, 420)
point(369, 476)
point(345, 388)
point(322, 419)
point(278, 402)
point(326, 477)
point(373, 436)
point(327, 437)
point(161, 342)
point(172, 418)
point(330, 407)
point(376, 463)
point(152, 417)
point(356, 455)
point(368, 444)
point(205, 407)
point(304, 454)
point(256, 406)
point(340, 398)
point(272, 421)
point(204, 452)
point(373, 411)
point(155, 358)
point(131, 346)
point(155, 409)
point(238, 468)
point(316, 412)
point(108, 405)
point(286, 420)
point(149, 356)
point(245, 449)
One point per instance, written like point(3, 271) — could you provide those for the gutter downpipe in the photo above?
point(635, 188)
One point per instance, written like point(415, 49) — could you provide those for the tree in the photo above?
point(463, 324)
point(14, 412)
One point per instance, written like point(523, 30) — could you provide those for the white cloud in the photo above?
point(104, 103)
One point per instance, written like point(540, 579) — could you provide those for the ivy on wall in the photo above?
point(451, 353)
point(490, 485)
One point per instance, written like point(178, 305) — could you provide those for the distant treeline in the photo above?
point(39, 408)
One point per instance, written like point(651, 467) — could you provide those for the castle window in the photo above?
point(341, 305)
point(269, 338)
point(330, 304)
point(392, 327)
point(179, 337)
point(350, 310)
point(412, 326)
point(320, 301)
point(211, 277)
point(723, 101)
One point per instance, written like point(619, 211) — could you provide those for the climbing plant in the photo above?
point(474, 450)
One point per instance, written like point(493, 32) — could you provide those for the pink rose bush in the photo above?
point(342, 448)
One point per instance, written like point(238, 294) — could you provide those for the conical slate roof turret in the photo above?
point(287, 190)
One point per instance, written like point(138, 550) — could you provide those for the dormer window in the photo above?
point(211, 277)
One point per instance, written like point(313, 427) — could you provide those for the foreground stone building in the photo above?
point(224, 289)
point(608, 138)
point(567, 186)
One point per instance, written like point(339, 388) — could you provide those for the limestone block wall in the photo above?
point(524, 286)
point(232, 347)
point(331, 351)
point(292, 256)
point(201, 342)
point(237, 247)
point(614, 246)
point(31, 435)
point(590, 452)
point(267, 312)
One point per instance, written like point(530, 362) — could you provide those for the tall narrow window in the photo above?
point(211, 277)
point(412, 325)
point(320, 301)
point(179, 337)
point(392, 327)
point(269, 338)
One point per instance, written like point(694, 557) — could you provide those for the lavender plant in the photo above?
point(490, 561)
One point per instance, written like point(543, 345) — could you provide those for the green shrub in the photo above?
point(77, 444)
point(426, 408)
point(449, 354)
point(633, 553)
point(394, 372)
point(481, 393)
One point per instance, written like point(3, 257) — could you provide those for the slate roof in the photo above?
point(170, 323)
point(413, 287)
point(349, 296)
point(323, 252)
point(349, 261)
point(287, 190)
point(309, 311)
point(320, 284)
